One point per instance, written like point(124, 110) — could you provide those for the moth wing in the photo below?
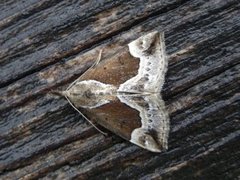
point(142, 120)
point(154, 130)
point(115, 70)
point(150, 49)
point(140, 67)
point(115, 116)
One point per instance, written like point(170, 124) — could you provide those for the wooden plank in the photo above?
point(46, 45)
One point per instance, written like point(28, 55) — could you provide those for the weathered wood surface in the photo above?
point(47, 44)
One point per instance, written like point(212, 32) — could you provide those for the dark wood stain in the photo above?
point(45, 45)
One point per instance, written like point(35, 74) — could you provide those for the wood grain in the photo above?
point(47, 44)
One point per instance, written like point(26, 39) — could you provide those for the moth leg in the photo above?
point(91, 67)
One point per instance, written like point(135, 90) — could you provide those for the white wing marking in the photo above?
point(153, 64)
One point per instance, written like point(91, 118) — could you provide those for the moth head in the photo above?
point(142, 138)
point(145, 44)
point(87, 94)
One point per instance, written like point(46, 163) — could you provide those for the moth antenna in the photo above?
point(98, 59)
point(85, 117)
point(92, 66)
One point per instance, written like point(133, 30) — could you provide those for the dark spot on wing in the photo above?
point(148, 69)
point(88, 94)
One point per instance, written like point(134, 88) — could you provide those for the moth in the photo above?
point(122, 93)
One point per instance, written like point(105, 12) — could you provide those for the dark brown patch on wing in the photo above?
point(116, 117)
point(115, 70)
